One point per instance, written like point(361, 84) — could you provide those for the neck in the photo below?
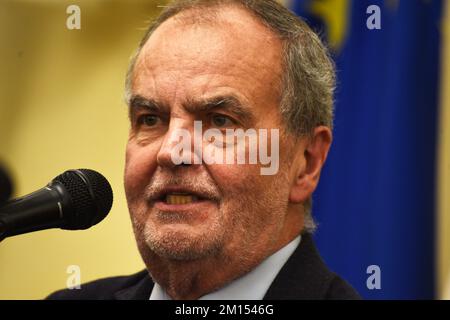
point(189, 280)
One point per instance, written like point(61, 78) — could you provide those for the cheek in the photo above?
point(140, 164)
point(244, 183)
point(235, 180)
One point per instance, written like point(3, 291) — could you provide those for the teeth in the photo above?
point(180, 199)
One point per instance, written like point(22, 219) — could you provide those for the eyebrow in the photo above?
point(228, 103)
point(138, 102)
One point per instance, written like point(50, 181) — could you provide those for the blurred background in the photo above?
point(383, 195)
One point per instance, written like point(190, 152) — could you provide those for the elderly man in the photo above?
point(226, 230)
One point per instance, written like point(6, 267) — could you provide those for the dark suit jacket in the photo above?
point(304, 276)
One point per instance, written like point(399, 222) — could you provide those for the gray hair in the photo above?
point(308, 71)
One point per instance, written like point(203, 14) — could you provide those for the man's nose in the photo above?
point(178, 145)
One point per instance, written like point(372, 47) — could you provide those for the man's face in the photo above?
point(195, 211)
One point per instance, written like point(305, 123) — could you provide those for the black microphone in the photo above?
point(6, 187)
point(74, 200)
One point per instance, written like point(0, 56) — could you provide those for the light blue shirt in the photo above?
point(251, 286)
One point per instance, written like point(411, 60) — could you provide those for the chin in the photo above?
point(182, 242)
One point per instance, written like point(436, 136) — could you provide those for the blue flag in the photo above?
point(375, 201)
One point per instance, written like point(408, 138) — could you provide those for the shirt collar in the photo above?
point(251, 286)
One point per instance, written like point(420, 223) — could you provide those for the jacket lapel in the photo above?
point(139, 291)
point(304, 276)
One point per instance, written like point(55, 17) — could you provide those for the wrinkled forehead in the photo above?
point(230, 42)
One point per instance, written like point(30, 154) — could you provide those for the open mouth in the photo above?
point(179, 198)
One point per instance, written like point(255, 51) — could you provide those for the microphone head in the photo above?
point(91, 197)
point(6, 187)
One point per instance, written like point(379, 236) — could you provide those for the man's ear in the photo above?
point(311, 163)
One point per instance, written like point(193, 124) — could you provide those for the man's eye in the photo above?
point(219, 120)
point(149, 120)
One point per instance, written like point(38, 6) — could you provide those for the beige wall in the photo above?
point(61, 107)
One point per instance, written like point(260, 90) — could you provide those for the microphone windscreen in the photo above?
point(91, 195)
